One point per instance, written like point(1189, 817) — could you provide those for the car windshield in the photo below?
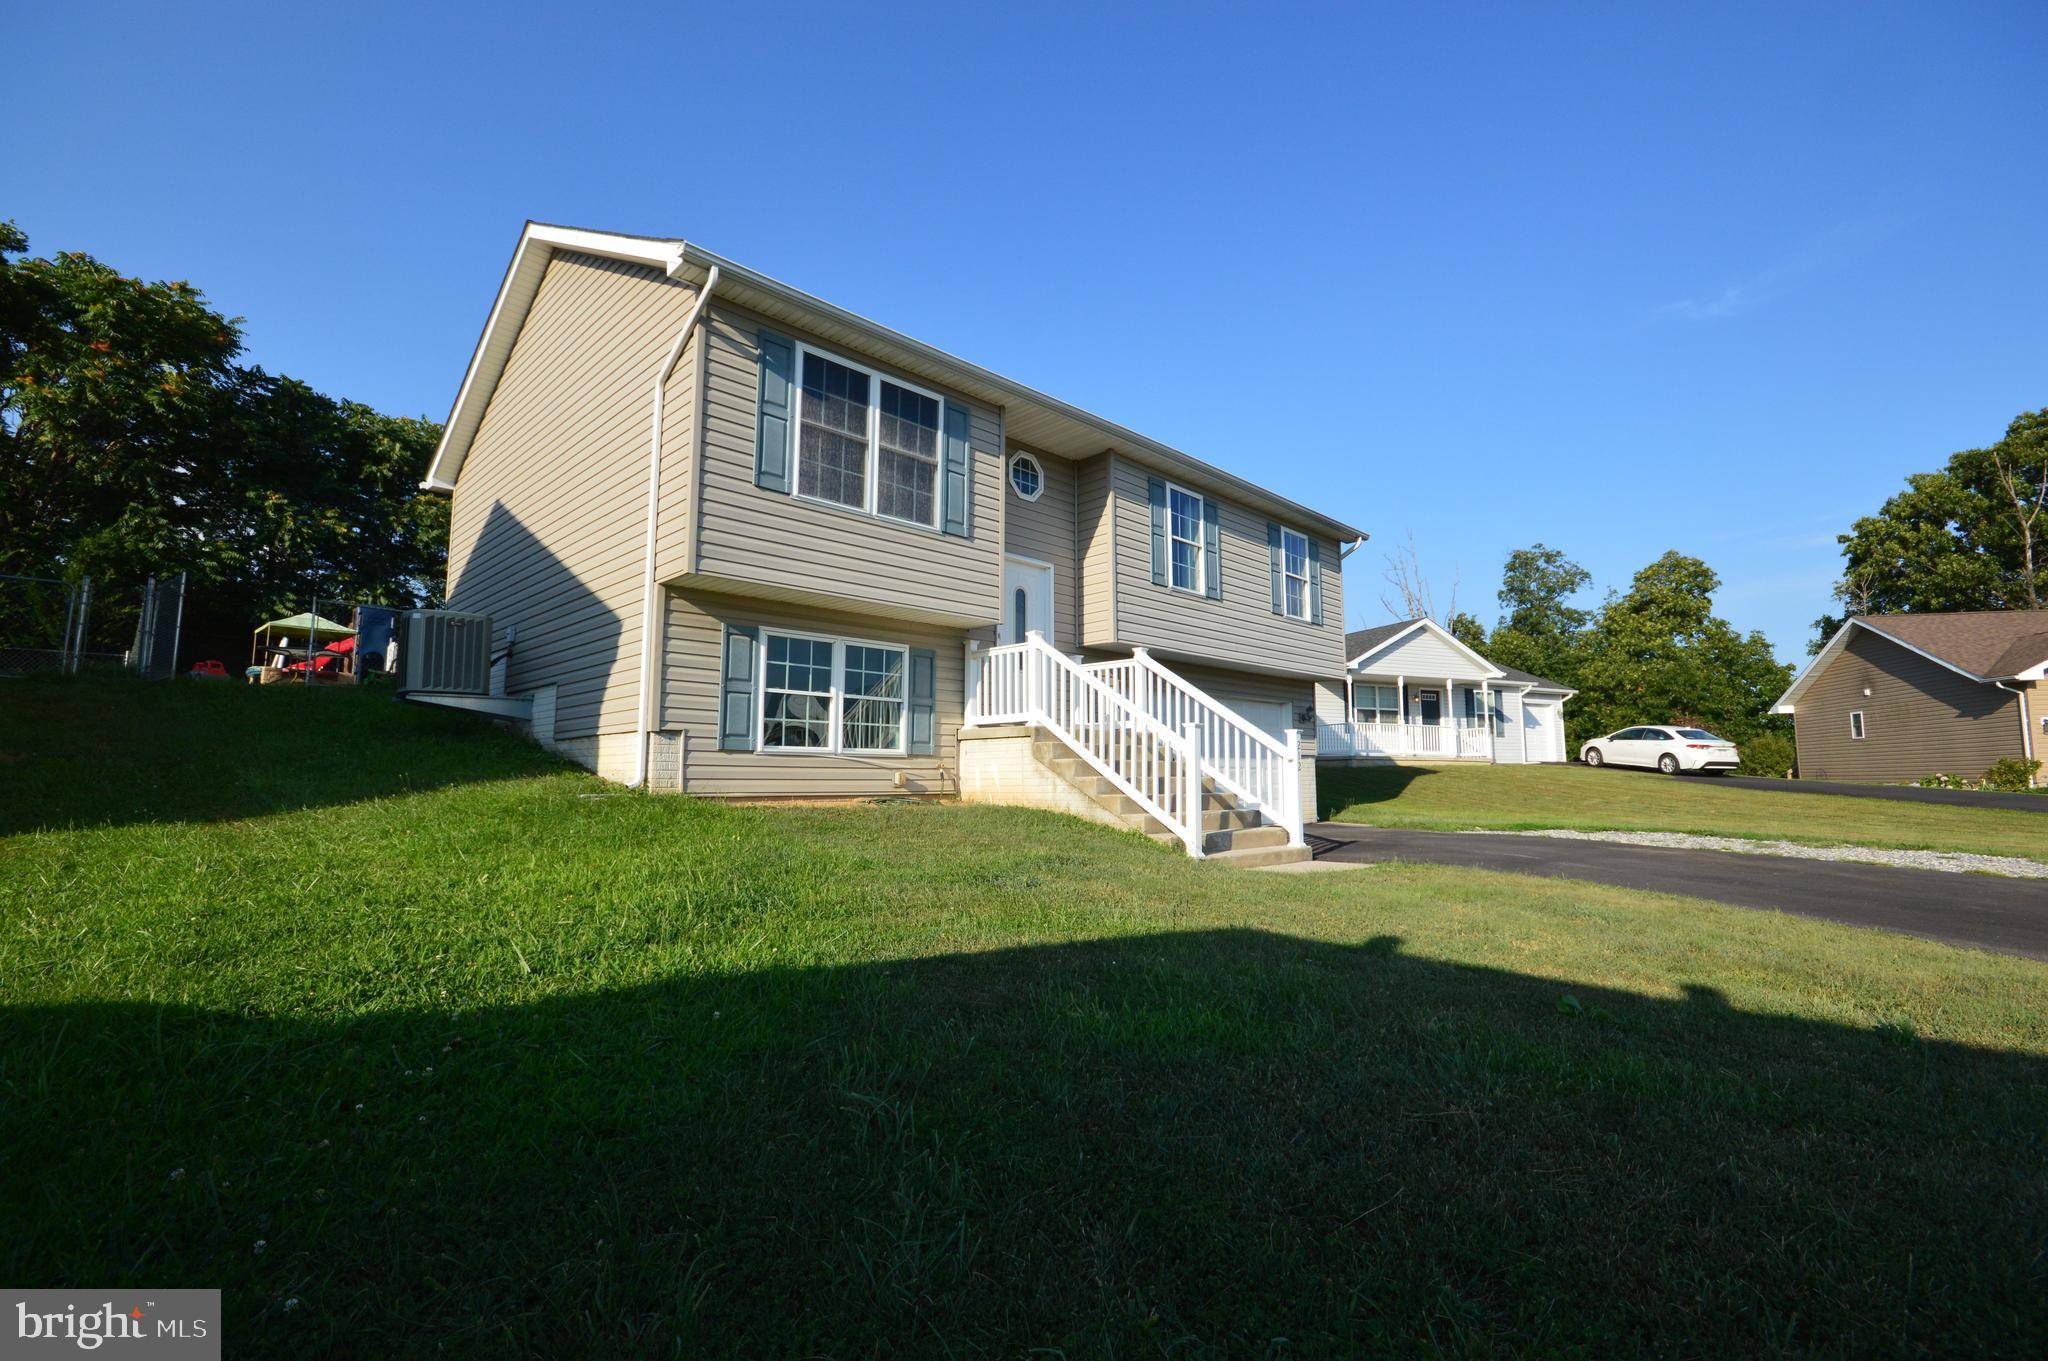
point(1697, 735)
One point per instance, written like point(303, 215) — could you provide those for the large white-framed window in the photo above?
point(1376, 703)
point(1185, 567)
point(827, 694)
point(866, 441)
point(1294, 574)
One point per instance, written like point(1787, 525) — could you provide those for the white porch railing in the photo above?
point(1143, 729)
point(1032, 682)
point(1262, 770)
point(1460, 739)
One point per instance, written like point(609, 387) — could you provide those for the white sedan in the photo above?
point(1671, 750)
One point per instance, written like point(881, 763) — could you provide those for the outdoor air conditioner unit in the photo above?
point(445, 658)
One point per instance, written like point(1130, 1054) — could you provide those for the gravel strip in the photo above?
point(1953, 862)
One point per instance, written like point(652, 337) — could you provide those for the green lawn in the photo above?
point(413, 1041)
point(1458, 797)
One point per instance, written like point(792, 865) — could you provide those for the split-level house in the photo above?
point(1413, 691)
point(1896, 697)
point(737, 541)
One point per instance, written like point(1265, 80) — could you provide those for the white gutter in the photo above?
point(650, 589)
point(2026, 721)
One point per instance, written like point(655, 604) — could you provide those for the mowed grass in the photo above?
point(455, 1051)
point(1520, 798)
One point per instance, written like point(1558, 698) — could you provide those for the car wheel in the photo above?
point(1668, 763)
point(1592, 757)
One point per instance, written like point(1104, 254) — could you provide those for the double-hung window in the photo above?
point(796, 694)
point(1184, 540)
point(867, 442)
point(826, 694)
point(1376, 703)
point(1294, 574)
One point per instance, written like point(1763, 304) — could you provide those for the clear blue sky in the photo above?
point(1618, 280)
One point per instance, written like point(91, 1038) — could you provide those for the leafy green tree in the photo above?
point(1659, 654)
point(132, 443)
point(1468, 631)
point(1973, 536)
point(1540, 630)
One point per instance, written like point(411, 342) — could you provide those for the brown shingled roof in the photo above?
point(1988, 643)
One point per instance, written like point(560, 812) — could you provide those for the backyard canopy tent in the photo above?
point(281, 640)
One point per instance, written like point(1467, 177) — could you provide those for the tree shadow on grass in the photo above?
point(1341, 786)
point(113, 751)
point(1201, 1143)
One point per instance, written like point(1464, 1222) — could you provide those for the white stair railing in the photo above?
point(1158, 766)
point(1251, 763)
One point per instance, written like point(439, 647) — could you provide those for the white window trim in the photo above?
point(871, 482)
point(1022, 456)
point(1307, 568)
point(1858, 729)
point(1200, 541)
point(836, 747)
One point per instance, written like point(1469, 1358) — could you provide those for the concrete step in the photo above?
point(1261, 856)
point(1252, 838)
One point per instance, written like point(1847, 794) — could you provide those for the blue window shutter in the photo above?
point(771, 444)
point(736, 691)
point(1273, 552)
point(957, 479)
point(1155, 490)
point(924, 696)
point(1212, 550)
point(1315, 582)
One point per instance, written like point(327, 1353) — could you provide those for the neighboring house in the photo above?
point(737, 541)
point(1902, 696)
point(1412, 691)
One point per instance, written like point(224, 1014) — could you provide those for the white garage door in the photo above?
point(1543, 731)
point(1270, 716)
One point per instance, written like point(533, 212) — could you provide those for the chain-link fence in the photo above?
point(53, 626)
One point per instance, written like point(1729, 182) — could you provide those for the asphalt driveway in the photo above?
point(2007, 915)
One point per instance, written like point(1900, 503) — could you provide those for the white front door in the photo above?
point(1027, 600)
point(1542, 732)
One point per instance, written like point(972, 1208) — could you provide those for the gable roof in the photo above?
point(1031, 417)
point(1980, 645)
point(1380, 638)
point(1532, 680)
point(1358, 642)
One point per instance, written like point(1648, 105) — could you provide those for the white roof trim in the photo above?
point(1491, 671)
point(1787, 702)
point(679, 258)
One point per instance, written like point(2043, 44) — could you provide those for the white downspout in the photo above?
point(2026, 721)
point(650, 590)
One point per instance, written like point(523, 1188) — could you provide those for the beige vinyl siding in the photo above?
point(1044, 530)
point(1422, 654)
point(678, 455)
point(1230, 687)
point(1095, 546)
point(751, 538)
point(1919, 719)
point(1241, 629)
point(547, 531)
point(693, 654)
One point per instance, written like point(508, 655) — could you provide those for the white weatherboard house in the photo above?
point(736, 541)
point(1412, 691)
